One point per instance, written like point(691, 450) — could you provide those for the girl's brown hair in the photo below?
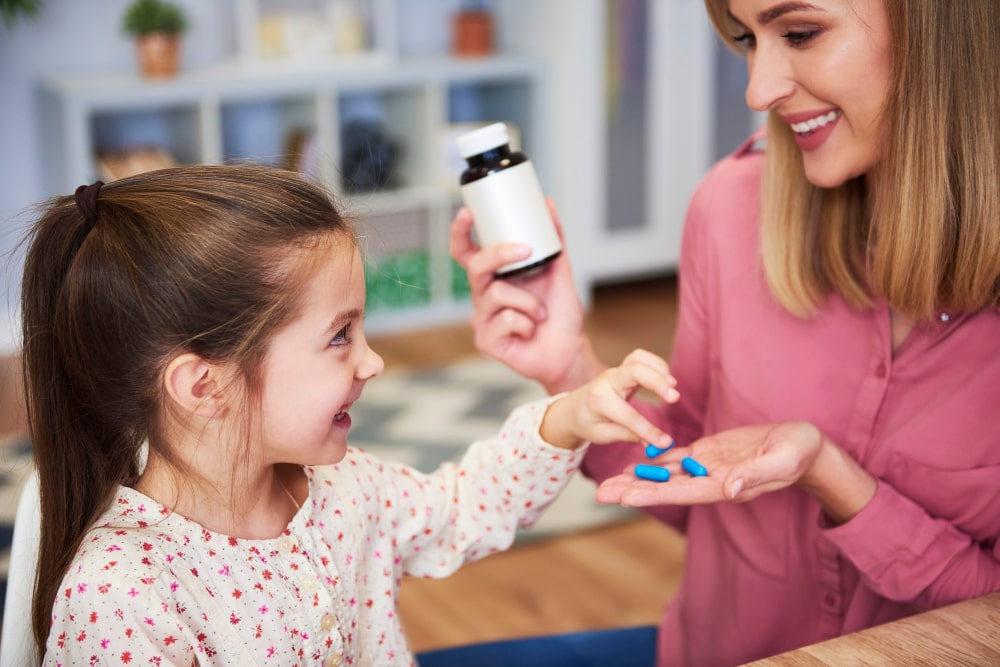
point(921, 231)
point(189, 259)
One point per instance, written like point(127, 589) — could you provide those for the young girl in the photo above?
point(216, 314)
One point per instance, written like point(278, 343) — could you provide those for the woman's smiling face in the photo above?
point(824, 66)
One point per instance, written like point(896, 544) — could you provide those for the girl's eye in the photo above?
point(799, 38)
point(341, 337)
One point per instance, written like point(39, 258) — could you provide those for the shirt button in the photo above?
point(829, 600)
point(333, 660)
point(880, 371)
point(285, 544)
point(327, 622)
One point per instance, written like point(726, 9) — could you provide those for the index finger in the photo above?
point(629, 491)
point(460, 245)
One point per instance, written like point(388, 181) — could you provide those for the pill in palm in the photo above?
point(693, 467)
point(652, 451)
point(652, 473)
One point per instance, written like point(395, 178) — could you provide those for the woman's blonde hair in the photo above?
point(922, 230)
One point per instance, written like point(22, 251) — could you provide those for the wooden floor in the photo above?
point(617, 576)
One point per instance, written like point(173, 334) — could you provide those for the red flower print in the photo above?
point(126, 657)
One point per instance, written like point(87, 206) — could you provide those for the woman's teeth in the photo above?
point(813, 124)
point(339, 416)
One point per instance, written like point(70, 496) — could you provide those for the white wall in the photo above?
point(84, 37)
point(68, 37)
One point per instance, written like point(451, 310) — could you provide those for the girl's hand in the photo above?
point(742, 464)
point(599, 411)
point(532, 323)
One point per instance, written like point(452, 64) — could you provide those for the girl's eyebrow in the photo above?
point(338, 322)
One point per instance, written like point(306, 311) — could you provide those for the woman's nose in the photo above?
point(770, 80)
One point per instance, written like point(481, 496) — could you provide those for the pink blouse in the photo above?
point(772, 575)
point(149, 587)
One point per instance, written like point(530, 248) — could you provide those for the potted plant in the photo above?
point(157, 26)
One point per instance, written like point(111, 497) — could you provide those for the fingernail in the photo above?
point(735, 488)
point(518, 251)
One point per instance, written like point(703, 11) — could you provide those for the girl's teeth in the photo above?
point(815, 123)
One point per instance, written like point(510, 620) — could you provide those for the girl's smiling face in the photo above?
point(824, 66)
point(318, 364)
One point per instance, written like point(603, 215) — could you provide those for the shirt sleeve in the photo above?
point(907, 555)
point(467, 510)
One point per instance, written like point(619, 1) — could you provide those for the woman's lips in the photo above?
point(812, 130)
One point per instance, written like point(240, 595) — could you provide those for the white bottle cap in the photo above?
point(482, 140)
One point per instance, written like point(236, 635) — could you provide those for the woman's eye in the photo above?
point(341, 337)
point(745, 41)
point(798, 38)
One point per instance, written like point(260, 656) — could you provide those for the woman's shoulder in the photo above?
point(726, 204)
point(735, 179)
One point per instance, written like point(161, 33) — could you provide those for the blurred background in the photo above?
point(621, 104)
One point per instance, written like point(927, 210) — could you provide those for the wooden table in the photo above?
point(964, 634)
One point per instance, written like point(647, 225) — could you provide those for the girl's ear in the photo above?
point(195, 385)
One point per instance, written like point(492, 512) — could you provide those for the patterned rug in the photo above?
point(420, 418)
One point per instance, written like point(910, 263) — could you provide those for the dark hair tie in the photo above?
point(86, 201)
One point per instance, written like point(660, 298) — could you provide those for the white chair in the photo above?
point(17, 646)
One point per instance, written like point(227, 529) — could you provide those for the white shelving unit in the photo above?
point(235, 113)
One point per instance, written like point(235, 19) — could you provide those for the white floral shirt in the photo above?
point(149, 587)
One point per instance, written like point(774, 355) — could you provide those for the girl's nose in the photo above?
point(371, 364)
point(770, 81)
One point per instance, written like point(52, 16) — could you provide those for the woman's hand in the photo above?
point(742, 463)
point(600, 412)
point(532, 323)
point(747, 462)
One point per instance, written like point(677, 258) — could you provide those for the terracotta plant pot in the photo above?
point(472, 34)
point(159, 54)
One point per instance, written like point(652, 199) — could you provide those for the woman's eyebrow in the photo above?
point(777, 11)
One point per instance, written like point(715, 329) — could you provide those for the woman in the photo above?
point(836, 340)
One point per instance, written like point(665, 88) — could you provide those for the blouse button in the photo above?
point(285, 544)
point(333, 660)
point(829, 600)
point(880, 371)
point(327, 622)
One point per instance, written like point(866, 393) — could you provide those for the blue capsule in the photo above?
point(652, 451)
point(652, 473)
point(693, 467)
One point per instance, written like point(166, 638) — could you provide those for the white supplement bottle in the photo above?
point(501, 188)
